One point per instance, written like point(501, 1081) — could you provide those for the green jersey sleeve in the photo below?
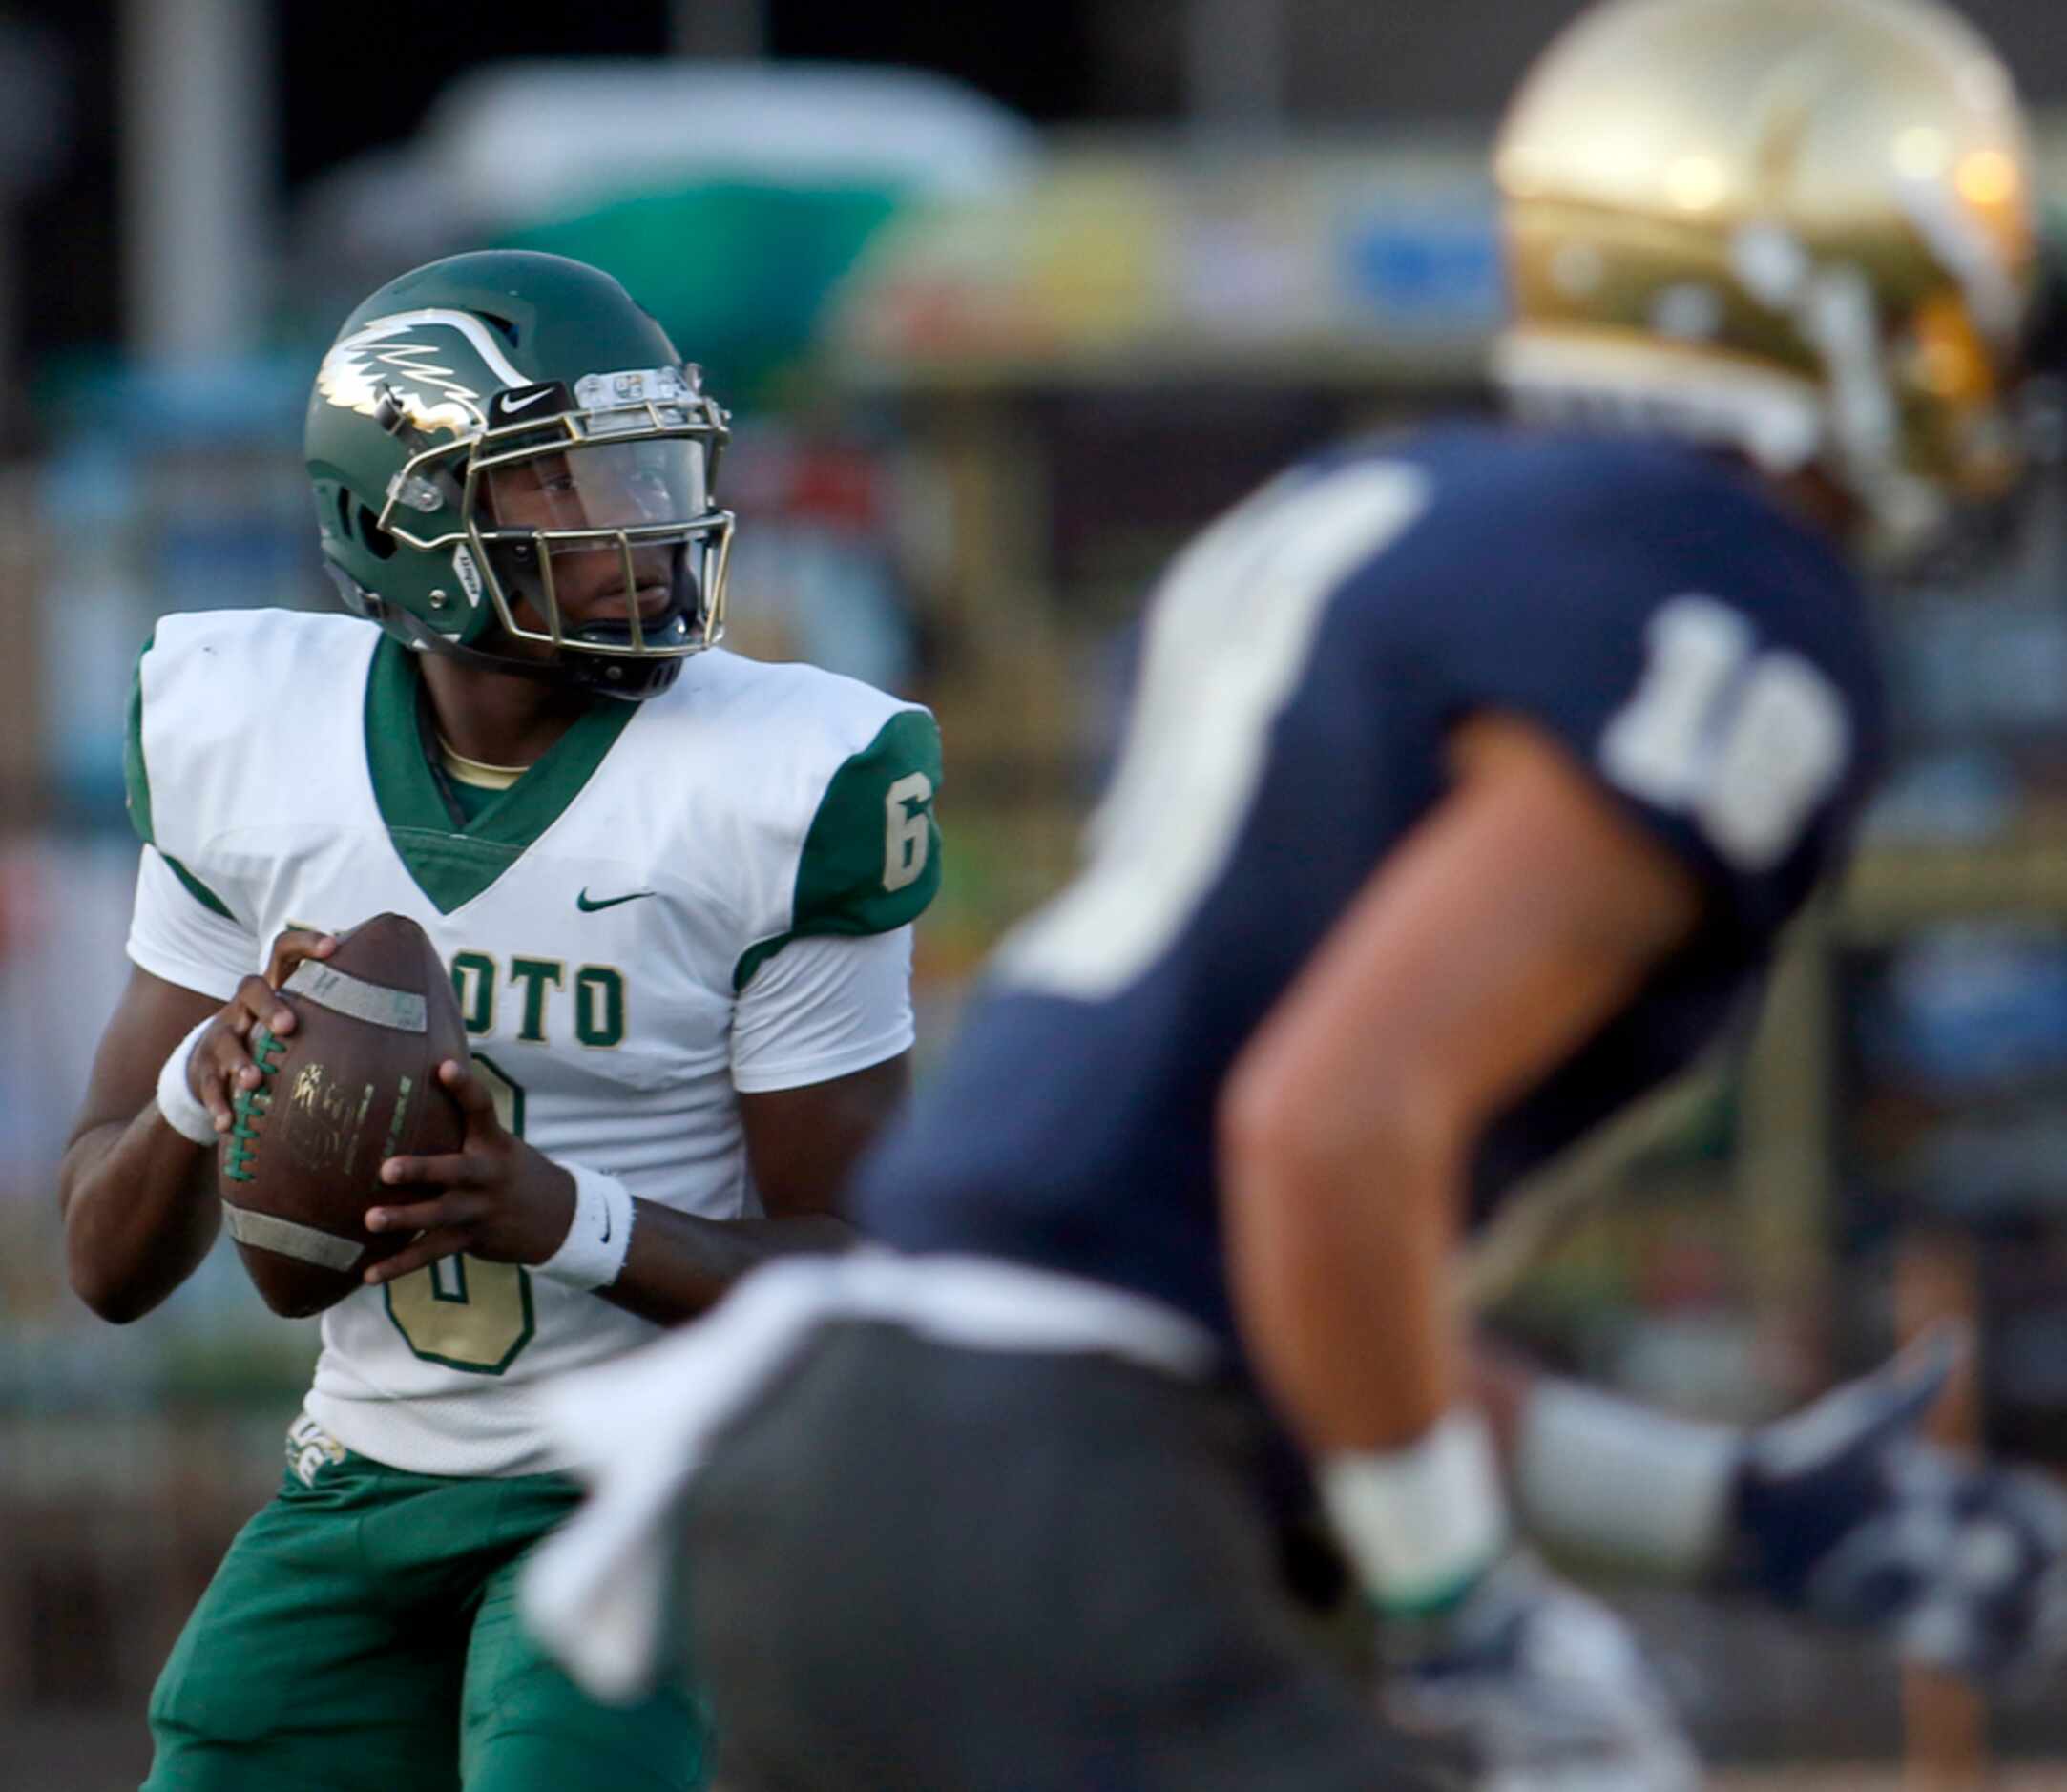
point(871, 858)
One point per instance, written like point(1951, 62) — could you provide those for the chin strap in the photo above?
point(415, 633)
point(627, 678)
point(639, 680)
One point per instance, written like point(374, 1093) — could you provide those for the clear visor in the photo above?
point(653, 483)
point(610, 546)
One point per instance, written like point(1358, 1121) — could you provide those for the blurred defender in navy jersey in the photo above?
point(1471, 776)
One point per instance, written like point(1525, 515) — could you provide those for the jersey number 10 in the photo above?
point(1748, 743)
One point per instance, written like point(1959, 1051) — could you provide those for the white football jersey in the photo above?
point(701, 894)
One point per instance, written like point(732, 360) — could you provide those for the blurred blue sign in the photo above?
point(1423, 269)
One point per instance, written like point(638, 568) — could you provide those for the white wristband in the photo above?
point(1419, 1524)
point(1597, 1476)
point(592, 1253)
point(185, 1112)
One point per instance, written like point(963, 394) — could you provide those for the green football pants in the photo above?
point(362, 1636)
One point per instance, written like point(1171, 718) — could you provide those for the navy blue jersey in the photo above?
point(1702, 653)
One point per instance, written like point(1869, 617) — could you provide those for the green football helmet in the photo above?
point(481, 421)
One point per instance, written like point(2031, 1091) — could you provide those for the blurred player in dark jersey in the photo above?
point(1471, 776)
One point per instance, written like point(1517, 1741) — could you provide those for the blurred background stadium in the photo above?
point(1007, 298)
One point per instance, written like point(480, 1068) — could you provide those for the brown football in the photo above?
point(354, 1083)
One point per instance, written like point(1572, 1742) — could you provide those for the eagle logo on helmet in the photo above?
point(403, 356)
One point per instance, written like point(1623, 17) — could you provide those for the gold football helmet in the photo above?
point(1803, 228)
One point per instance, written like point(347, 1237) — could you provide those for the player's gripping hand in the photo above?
point(1845, 1512)
point(1527, 1685)
point(497, 1197)
point(221, 1068)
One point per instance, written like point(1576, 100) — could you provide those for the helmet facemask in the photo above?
point(588, 523)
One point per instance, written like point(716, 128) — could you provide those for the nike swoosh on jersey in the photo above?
point(589, 907)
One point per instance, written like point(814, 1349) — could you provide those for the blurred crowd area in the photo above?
point(985, 378)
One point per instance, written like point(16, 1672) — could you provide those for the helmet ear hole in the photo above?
point(380, 544)
point(343, 511)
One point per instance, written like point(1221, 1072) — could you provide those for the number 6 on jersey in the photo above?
point(908, 837)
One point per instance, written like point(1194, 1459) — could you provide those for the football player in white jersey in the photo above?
point(674, 890)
